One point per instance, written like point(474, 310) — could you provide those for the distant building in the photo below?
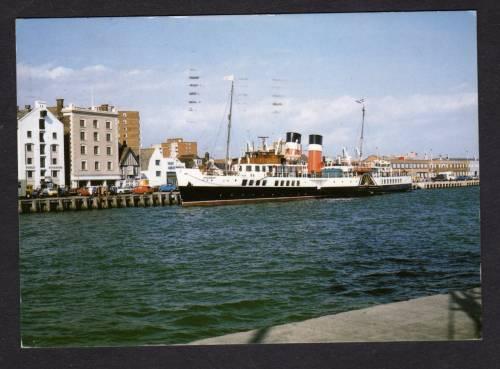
point(177, 147)
point(40, 147)
point(158, 167)
point(422, 169)
point(129, 129)
point(93, 145)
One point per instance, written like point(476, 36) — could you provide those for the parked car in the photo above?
point(142, 190)
point(123, 190)
point(62, 191)
point(167, 188)
point(83, 191)
point(50, 192)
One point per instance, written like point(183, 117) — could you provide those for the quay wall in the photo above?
point(452, 316)
point(73, 203)
point(444, 184)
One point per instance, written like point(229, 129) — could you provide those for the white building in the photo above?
point(158, 168)
point(40, 147)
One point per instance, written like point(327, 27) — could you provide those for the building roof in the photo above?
point(145, 155)
point(127, 151)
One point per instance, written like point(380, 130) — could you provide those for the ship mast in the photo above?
point(362, 102)
point(229, 125)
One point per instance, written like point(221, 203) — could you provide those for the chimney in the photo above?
point(104, 107)
point(27, 107)
point(315, 154)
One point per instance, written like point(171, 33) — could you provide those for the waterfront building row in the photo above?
point(92, 146)
point(72, 146)
point(425, 169)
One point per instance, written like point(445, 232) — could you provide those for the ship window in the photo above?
point(257, 168)
point(276, 183)
point(282, 183)
point(264, 182)
point(257, 183)
point(249, 168)
point(250, 183)
point(288, 183)
point(244, 183)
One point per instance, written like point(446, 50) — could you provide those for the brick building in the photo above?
point(129, 129)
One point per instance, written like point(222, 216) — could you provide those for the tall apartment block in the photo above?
point(129, 129)
point(93, 145)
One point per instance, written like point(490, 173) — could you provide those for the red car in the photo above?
point(142, 190)
point(83, 191)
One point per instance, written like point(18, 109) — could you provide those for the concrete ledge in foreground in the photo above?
point(454, 316)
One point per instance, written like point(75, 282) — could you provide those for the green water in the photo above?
point(173, 275)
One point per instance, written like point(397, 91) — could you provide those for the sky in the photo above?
point(416, 70)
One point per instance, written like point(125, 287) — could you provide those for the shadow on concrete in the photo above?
point(468, 302)
point(260, 335)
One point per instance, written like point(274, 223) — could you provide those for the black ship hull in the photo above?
point(218, 195)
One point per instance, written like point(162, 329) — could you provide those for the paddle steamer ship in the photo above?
point(282, 172)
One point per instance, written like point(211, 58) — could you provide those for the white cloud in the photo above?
point(393, 123)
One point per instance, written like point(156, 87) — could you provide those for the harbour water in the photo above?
point(171, 275)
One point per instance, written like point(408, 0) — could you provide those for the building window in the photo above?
point(257, 168)
point(282, 183)
point(108, 125)
point(42, 149)
point(96, 150)
point(30, 173)
point(276, 183)
point(28, 147)
point(29, 161)
point(108, 150)
point(54, 161)
point(257, 183)
point(110, 165)
point(288, 183)
point(244, 182)
point(82, 123)
point(42, 139)
point(158, 173)
point(95, 124)
point(240, 168)
point(108, 137)
point(249, 168)
point(42, 173)
point(83, 150)
point(28, 134)
point(157, 162)
point(53, 148)
point(41, 124)
point(96, 136)
point(97, 166)
point(264, 182)
point(82, 136)
point(250, 183)
point(54, 135)
point(84, 165)
point(54, 173)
